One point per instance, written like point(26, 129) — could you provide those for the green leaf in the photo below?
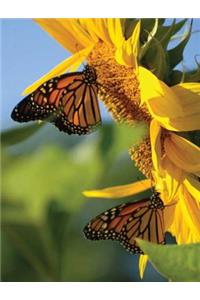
point(46, 174)
point(17, 135)
point(176, 77)
point(149, 37)
point(148, 26)
point(176, 262)
point(161, 21)
point(28, 242)
point(194, 75)
point(194, 137)
point(129, 25)
point(176, 54)
point(156, 59)
point(57, 222)
point(106, 139)
point(165, 33)
point(126, 136)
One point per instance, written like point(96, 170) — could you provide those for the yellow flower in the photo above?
point(176, 110)
point(81, 36)
point(182, 219)
point(131, 92)
point(174, 170)
point(172, 176)
point(175, 174)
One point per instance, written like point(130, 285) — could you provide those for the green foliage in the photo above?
point(177, 263)
point(26, 239)
point(41, 176)
point(129, 26)
point(114, 141)
point(147, 36)
point(166, 33)
point(45, 172)
point(17, 135)
point(156, 52)
point(44, 212)
point(156, 59)
point(194, 137)
point(176, 77)
point(193, 75)
point(149, 28)
point(176, 54)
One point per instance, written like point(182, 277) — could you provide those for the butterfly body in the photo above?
point(123, 223)
point(68, 101)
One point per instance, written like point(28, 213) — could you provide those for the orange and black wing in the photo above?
point(44, 102)
point(68, 101)
point(80, 109)
point(126, 222)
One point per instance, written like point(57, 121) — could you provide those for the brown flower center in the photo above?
point(119, 86)
point(141, 155)
point(120, 92)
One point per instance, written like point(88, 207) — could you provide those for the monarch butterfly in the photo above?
point(69, 101)
point(143, 219)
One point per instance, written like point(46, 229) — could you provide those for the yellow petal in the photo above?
point(61, 31)
point(161, 100)
point(70, 33)
point(167, 183)
point(127, 51)
point(193, 207)
point(142, 264)
point(67, 64)
point(164, 104)
point(149, 85)
point(173, 177)
point(185, 123)
point(120, 191)
point(193, 186)
point(124, 54)
point(89, 25)
point(189, 94)
point(155, 135)
point(169, 213)
point(135, 39)
point(166, 174)
point(101, 29)
point(115, 31)
point(186, 224)
point(81, 33)
point(183, 153)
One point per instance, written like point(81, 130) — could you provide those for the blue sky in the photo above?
point(28, 52)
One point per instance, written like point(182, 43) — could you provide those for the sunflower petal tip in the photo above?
point(86, 193)
point(90, 193)
point(142, 265)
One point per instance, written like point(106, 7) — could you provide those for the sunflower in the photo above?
point(180, 194)
point(133, 93)
point(175, 171)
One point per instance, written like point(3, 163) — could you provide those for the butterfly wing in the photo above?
point(69, 101)
point(44, 102)
point(144, 223)
point(127, 222)
point(80, 109)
